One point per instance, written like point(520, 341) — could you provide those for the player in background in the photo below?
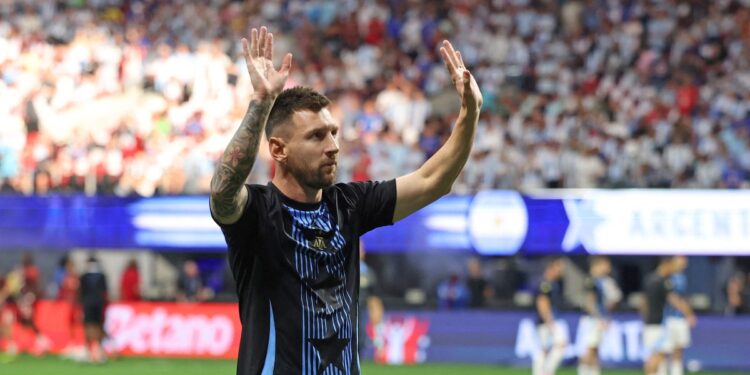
point(553, 337)
point(660, 292)
point(93, 287)
point(370, 304)
point(600, 301)
point(678, 328)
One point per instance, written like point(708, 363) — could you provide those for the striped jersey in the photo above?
point(296, 266)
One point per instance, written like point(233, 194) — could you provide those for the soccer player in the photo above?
point(598, 307)
point(678, 328)
point(93, 288)
point(553, 338)
point(293, 243)
point(370, 304)
point(660, 291)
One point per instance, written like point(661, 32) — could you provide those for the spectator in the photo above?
point(68, 291)
point(190, 285)
point(479, 290)
point(130, 282)
point(452, 293)
point(736, 295)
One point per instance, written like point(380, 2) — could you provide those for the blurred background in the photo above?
point(615, 127)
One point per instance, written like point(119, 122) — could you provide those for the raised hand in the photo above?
point(466, 85)
point(267, 82)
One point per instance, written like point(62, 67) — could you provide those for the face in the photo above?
point(602, 267)
point(680, 263)
point(311, 148)
point(557, 269)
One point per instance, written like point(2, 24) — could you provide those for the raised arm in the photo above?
point(436, 176)
point(228, 197)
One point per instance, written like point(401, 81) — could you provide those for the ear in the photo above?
point(277, 148)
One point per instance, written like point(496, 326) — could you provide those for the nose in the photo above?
point(332, 146)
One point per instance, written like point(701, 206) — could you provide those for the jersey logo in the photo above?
point(319, 243)
point(545, 287)
point(318, 238)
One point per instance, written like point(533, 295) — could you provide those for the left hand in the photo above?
point(466, 85)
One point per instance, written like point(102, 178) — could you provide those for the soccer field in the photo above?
point(26, 365)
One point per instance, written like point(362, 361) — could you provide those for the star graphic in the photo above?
point(330, 350)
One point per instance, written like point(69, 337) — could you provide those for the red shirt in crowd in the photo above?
point(129, 284)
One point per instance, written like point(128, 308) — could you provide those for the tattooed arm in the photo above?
point(228, 196)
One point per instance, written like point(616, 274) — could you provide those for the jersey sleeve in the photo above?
point(242, 232)
point(589, 286)
point(375, 202)
point(544, 289)
point(668, 285)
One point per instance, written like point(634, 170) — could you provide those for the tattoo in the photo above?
point(237, 161)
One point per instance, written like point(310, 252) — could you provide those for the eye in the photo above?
point(335, 132)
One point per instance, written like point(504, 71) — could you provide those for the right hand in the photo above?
point(267, 82)
point(692, 321)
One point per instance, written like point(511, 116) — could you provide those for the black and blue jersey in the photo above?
point(595, 286)
point(679, 286)
point(297, 271)
point(551, 290)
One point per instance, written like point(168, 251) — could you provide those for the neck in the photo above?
point(293, 189)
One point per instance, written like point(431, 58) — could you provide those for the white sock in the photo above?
point(677, 367)
point(662, 368)
point(584, 369)
point(554, 358)
point(537, 363)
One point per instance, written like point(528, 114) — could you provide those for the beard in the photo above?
point(316, 177)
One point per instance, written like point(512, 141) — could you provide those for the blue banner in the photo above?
point(614, 222)
point(510, 338)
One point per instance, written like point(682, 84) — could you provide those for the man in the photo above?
point(190, 285)
point(93, 287)
point(370, 304)
point(293, 244)
point(660, 291)
point(24, 301)
point(479, 290)
point(598, 307)
point(130, 282)
point(678, 328)
point(553, 338)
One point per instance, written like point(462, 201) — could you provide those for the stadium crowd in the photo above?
point(140, 97)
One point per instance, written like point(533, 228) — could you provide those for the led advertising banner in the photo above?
point(614, 222)
point(212, 330)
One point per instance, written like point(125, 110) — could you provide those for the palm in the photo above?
point(266, 80)
point(466, 85)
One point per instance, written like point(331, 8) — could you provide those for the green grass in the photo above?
point(27, 365)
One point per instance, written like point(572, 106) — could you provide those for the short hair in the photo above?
point(293, 100)
point(551, 261)
point(595, 259)
point(665, 259)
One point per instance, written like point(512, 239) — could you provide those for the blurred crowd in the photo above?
point(141, 97)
